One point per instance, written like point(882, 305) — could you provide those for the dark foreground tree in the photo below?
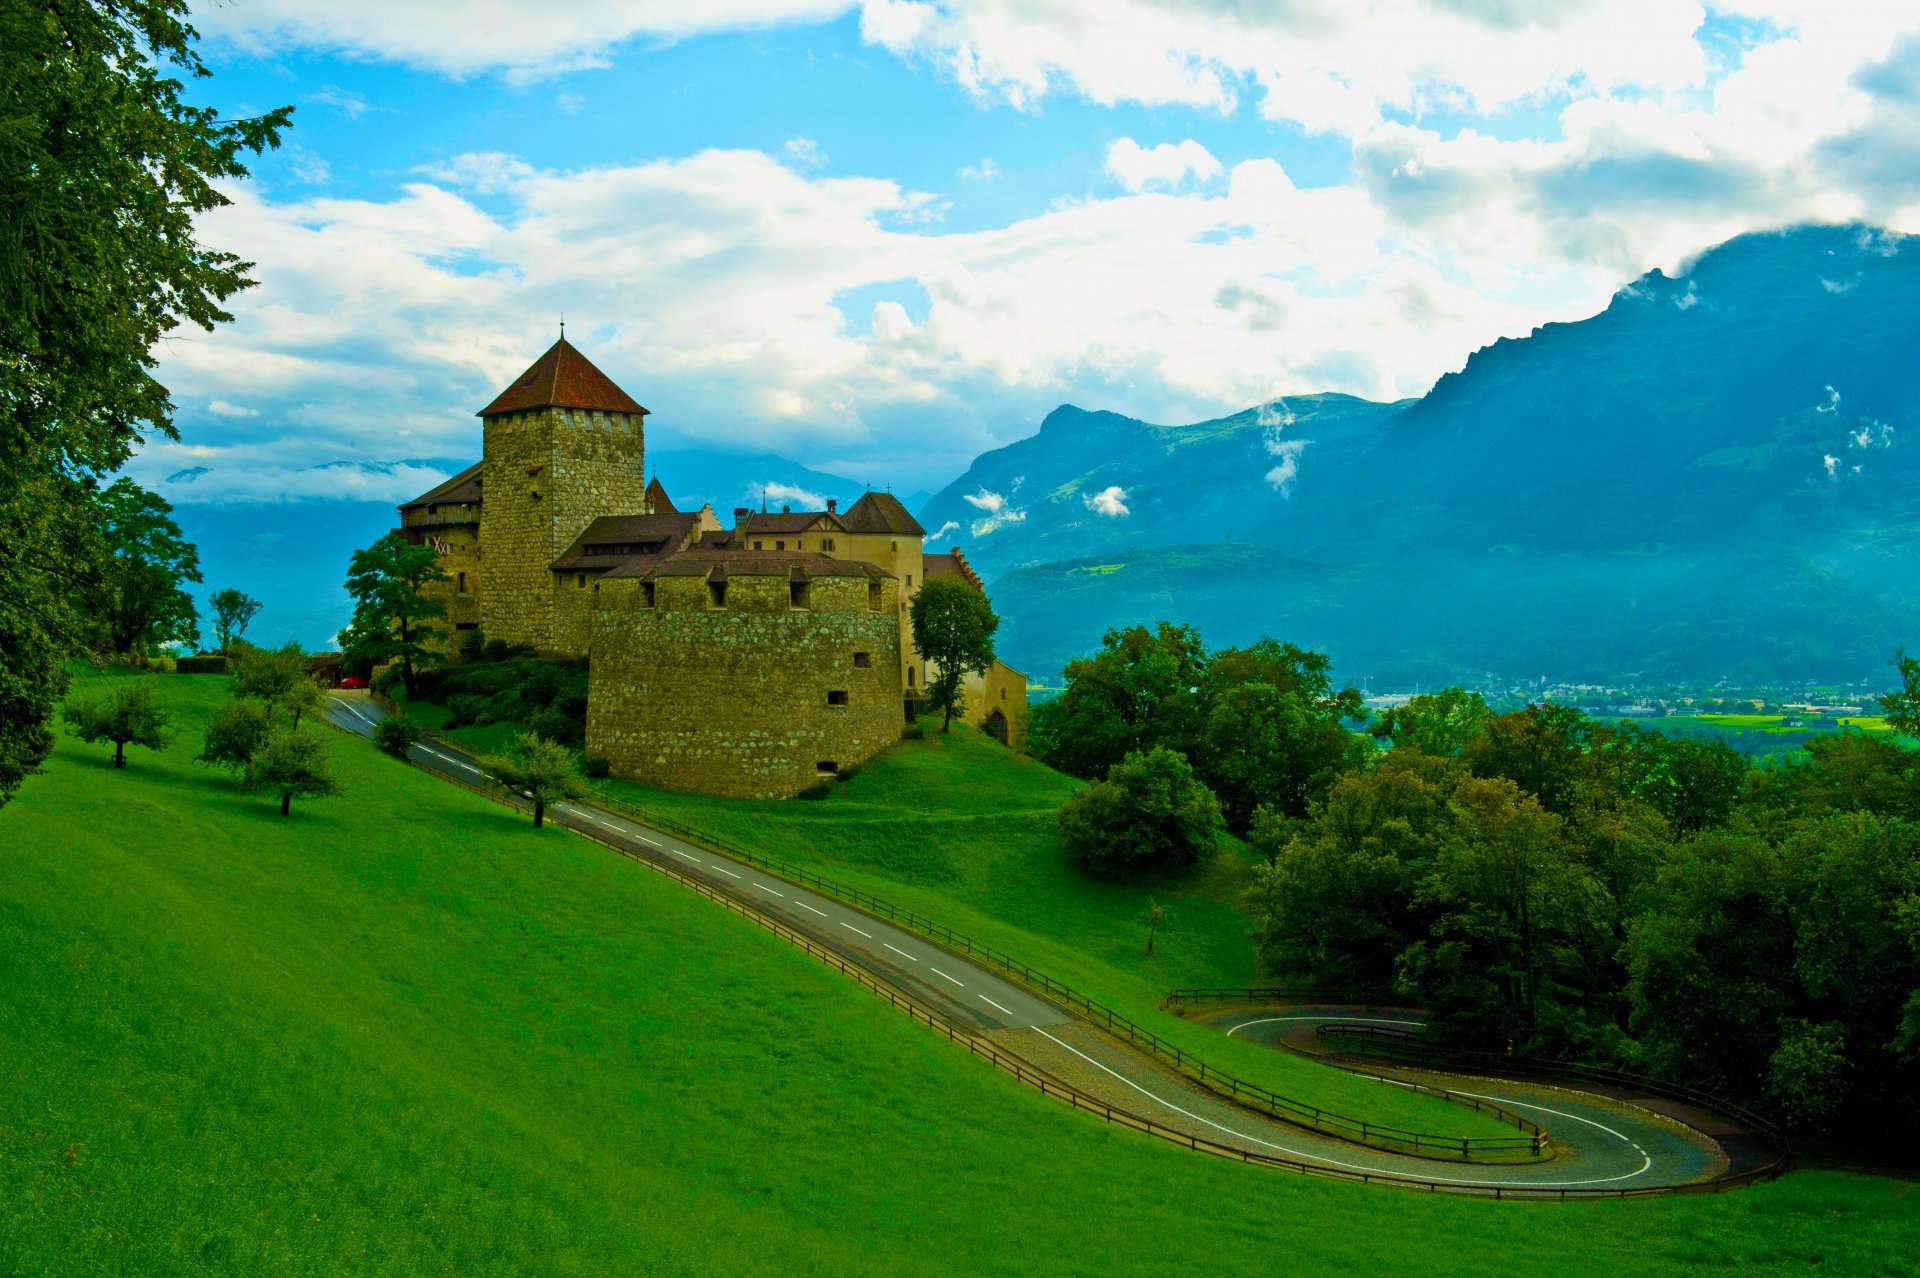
point(1149, 813)
point(124, 715)
point(140, 596)
point(953, 625)
point(392, 620)
point(291, 763)
point(232, 611)
point(1142, 689)
point(537, 769)
point(105, 170)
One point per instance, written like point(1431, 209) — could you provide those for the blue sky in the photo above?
point(881, 237)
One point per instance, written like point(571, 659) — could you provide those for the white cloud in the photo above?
point(789, 494)
point(991, 502)
point(1110, 501)
point(524, 38)
point(996, 512)
point(569, 102)
point(221, 408)
point(941, 531)
point(1280, 478)
point(345, 101)
point(337, 481)
point(1136, 167)
point(985, 170)
point(804, 151)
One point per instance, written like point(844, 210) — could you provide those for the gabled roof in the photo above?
point(562, 378)
point(953, 564)
point(718, 565)
point(664, 533)
point(463, 487)
point(657, 500)
point(881, 513)
point(785, 521)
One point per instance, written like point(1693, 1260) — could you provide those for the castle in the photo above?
point(753, 661)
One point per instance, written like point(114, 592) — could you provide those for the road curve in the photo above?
point(1600, 1144)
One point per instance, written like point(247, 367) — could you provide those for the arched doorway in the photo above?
point(996, 726)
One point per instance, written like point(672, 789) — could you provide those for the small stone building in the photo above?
point(745, 661)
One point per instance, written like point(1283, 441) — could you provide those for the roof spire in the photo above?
point(563, 326)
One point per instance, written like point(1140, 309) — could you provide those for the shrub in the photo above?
point(473, 645)
point(396, 734)
point(596, 768)
point(914, 732)
point(387, 680)
point(495, 650)
point(1149, 813)
point(214, 665)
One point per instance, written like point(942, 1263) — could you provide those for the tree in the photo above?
point(278, 676)
point(232, 610)
point(1141, 690)
point(1539, 749)
point(1156, 918)
point(236, 732)
point(537, 769)
point(1264, 747)
point(953, 625)
point(139, 582)
point(397, 734)
point(1438, 722)
point(1149, 813)
point(293, 763)
point(390, 616)
point(1903, 707)
point(125, 715)
point(106, 170)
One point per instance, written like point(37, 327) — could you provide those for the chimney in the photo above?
point(786, 510)
point(741, 514)
point(833, 505)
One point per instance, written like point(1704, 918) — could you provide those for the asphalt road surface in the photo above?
point(1599, 1143)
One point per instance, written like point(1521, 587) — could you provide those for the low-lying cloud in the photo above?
point(1110, 501)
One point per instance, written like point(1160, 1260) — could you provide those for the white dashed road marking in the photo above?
point(851, 928)
point(996, 1007)
point(902, 953)
point(822, 913)
point(770, 892)
point(723, 869)
point(937, 972)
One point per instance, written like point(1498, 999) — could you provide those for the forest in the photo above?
point(1540, 882)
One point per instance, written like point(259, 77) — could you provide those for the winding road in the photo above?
point(1600, 1143)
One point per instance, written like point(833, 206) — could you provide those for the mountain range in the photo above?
point(1712, 477)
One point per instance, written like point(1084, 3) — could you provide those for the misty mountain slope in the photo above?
point(1089, 480)
point(1715, 475)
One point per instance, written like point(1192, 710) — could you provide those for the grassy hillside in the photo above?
point(401, 1033)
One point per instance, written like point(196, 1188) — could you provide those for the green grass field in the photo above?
point(402, 1033)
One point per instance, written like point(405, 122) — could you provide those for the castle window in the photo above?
point(909, 581)
point(646, 593)
point(533, 494)
point(826, 765)
point(796, 594)
point(717, 593)
point(580, 581)
point(909, 676)
point(873, 596)
point(466, 625)
point(863, 659)
point(463, 583)
point(759, 545)
point(826, 543)
point(779, 545)
point(837, 698)
point(1003, 694)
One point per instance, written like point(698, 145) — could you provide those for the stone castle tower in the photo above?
point(562, 447)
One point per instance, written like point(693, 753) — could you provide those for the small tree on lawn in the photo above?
point(292, 763)
point(236, 732)
point(1149, 813)
point(953, 625)
point(537, 769)
point(124, 715)
point(397, 734)
point(1156, 919)
point(391, 618)
point(232, 610)
point(278, 676)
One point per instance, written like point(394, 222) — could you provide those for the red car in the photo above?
point(353, 681)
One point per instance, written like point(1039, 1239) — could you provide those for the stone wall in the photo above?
point(735, 700)
point(458, 547)
point(1001, 689)
point(548, 474)
point(574, 604)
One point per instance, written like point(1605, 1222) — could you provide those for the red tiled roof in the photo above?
point(881, 513)
point(773, 523)
point(704, 561)
point(649, 536)
point(562, 378)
